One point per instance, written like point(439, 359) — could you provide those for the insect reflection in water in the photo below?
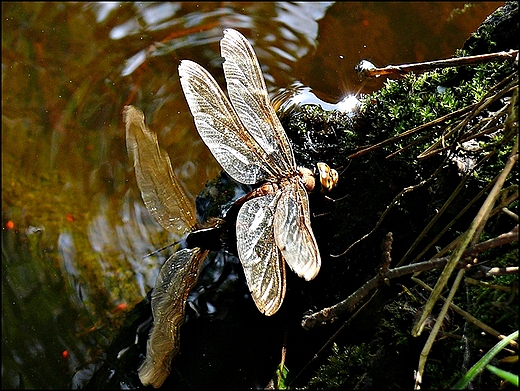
point(166, 201)
point(273, 224)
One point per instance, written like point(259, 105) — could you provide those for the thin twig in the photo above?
point(389, 207)
point(386, 256)
point(412, 131)
point(496, 271)
point(503, 202)
point(442, 210)
point(509, 237)
point(348, 305)
point(508, 289)
point(510, 213)
point(485, 102)
point(331, 339)
point(430, 65)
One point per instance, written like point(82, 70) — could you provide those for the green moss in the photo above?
point(343, 368)
point(319, 135)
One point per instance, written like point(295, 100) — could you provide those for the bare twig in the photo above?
point(490, 97)
point(508, 289)
point(387, 249)
point(510, 213)
point(389, 207)
point(348, 305)
point(369, 70)
point(509, 237)
point(331, 339)
point(496, 271)
point(505, 201)
point(412, 131)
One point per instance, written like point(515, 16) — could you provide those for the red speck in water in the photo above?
point(70, 217)
point(120, 307)
point(9, 224)
point(65, 354)
point(366, 23)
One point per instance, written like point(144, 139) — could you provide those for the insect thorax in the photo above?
point(307, 177)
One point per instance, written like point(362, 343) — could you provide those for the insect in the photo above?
point(166, 201)
point(248, 141)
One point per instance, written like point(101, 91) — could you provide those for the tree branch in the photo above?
point(349, 304)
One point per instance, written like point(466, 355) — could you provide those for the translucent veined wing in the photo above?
point(292, 230)
point(261, 259)
point(162, 193)
point(220, 128)
point(177, 277)
point(248, 94)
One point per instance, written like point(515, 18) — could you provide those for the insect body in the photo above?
point(247, 139)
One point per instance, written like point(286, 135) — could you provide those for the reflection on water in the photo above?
point(74, 227)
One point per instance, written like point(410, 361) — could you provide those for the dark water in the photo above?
point(74, 226)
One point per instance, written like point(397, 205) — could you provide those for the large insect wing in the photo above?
point(177, 277)
point(161, 191)
point(262, 261)
point(220, 128)
point(248, 94)
point(293, 233)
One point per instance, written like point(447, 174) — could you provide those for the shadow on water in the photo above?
point(74, 227)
